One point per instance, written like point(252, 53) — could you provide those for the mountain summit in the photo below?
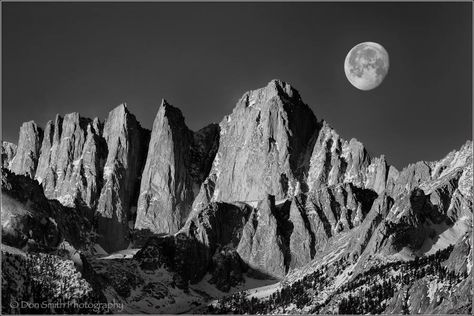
point(270, 199)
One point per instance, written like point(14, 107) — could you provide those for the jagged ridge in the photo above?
point(299, 194)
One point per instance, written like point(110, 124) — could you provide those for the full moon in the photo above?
point(366, 65)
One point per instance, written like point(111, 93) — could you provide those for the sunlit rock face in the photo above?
point(88, 165)
point(70, 162)
point(262, 146)
point(335, 160)
point(342, 191)
point(270, 192)
point(178, 161)
point(27, 155)
point(428, 209)
point(46, 174)
point(323, 214)
point(126, 147)
point(166, 188)
point(8, 152)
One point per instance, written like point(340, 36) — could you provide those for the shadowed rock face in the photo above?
point(264, 231)
point(268, 190)
point(350, 193)
point(27, 155)
point(31, 221)
point(218, 228)
point(228, 269)
point(178, 161)
point(226, 239)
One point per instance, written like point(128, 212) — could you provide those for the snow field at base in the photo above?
point(122, 254)
point(164, 298)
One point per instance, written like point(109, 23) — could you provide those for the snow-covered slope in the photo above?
point(269, 211)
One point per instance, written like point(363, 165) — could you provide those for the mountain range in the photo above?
point(269, 211)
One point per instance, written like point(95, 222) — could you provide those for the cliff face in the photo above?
point(88, 165)
point(126, 147)
point(32, 222)
point(177, 162)
point(8, 152)
point(335, 160)
point(166, 190)
point(25, 160)
point(270, 191)
point(69, 162)
point(324, 214)
point(262, 145)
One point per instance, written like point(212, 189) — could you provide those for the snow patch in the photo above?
point(66, 200)
point(446, 235)
point(370, 171)
point(99, 250)
point(252, 101)
point(215, 195)
point(252, 203)
point(216, 163)
point(469, 263)
point(108, 170)
point(433, 287)
point(77, 162)
point(122, 254)
point(344, 276)
point(263, 291)
point(53, 221)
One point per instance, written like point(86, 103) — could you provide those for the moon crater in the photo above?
point(366, 65)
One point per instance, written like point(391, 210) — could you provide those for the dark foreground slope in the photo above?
point(271, 204)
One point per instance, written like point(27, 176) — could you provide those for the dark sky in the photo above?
point(201, 57)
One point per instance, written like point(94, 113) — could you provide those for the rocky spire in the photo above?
point(262, 145)
point(335, 160)
point(26, 158)
point(126, 147)
point(284, 193)
point(61, 154)
point(49, 155)
point(8, 152)
point(178, 160)
point(86, 178)
point(166, 188)
point(89, 166)
point(262, 231)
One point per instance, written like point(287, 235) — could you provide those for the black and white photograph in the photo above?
point(258, 158)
